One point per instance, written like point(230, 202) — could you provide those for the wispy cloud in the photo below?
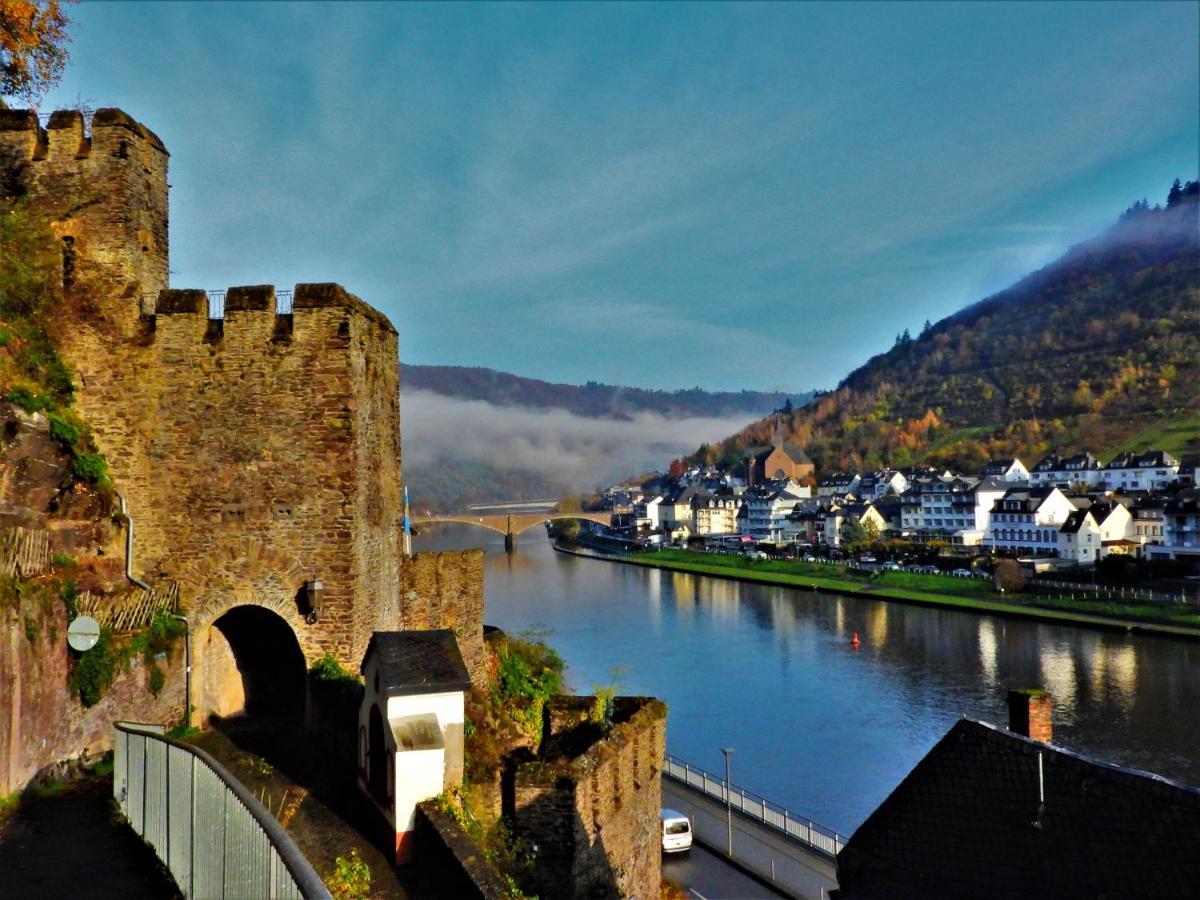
point(578, 452)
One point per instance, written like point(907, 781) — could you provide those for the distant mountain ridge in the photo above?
point(593, 400)
point(1100, 351)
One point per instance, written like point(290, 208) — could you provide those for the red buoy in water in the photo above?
point(854, 640)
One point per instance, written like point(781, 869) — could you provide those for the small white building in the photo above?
point(1079, 472)
point(1151, 470)
point(877, 484)
point(410, 724)
point(839, 484)
point(1078, 539)
point(646, 514)
point(1026, 521)
point(1011, 470)
point(767, 509)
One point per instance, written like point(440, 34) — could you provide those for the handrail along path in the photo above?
point(216, 839)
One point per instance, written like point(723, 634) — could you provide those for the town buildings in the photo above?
point(1064, 510)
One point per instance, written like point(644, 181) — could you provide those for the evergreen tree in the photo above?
point(1175, 194)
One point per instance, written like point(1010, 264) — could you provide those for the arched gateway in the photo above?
point(253, 663)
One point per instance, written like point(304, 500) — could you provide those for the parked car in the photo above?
point(961, 573)
point(866, 558)
point(808, 557)
point(676, 832)
point(891, 566)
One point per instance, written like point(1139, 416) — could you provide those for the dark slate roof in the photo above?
point(966, 823)
point(418, 662)
point(1075, 521)
point(1148, 459)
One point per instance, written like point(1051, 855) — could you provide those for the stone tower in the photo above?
point(105, 193)
point(257, 445)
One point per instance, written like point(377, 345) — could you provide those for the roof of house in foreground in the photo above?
point(966, 823)
point(418, 662)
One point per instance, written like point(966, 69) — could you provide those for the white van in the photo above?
point(676, 832)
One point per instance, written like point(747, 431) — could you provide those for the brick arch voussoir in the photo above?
point(246, 572)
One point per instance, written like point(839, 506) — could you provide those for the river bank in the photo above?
point(1174, 622)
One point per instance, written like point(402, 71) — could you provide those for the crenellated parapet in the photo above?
point(104, 187)
point(262, 417)
point(591, 800)
point(113, 132)
point(264, 300)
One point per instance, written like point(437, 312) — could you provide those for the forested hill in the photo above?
point(1099, 350)
point(593, 400)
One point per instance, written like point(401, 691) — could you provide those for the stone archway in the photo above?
point(249, 638)
point(253, 664)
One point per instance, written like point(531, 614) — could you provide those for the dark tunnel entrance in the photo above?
point(269, 661)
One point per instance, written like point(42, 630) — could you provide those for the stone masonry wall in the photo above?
point(41, 722)
point(445, 590)
point(256, 452)
point(595, 816)
point(280, 431)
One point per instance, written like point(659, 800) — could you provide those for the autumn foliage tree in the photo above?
point(33, 47)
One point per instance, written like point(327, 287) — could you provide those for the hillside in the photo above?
point(593, 400)
point(1099, 350)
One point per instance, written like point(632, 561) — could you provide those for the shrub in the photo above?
point(66, 429)
point(29, 399)
point(327, 668)
point(350, 878)
point(529, 673)
point(91, 467)
point(62, 560)
point(94, 671)
point(69, 594)
point(157, 681)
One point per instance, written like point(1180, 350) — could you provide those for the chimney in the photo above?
point(1030, 713)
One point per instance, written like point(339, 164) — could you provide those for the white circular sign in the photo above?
point(83, 633)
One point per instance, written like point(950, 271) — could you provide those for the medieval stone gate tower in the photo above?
point(258, 450)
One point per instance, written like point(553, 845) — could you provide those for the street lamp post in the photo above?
point(728, 751)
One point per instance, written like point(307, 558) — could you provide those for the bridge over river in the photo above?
point(512, 524)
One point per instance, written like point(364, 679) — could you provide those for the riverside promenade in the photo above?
point(834, 585)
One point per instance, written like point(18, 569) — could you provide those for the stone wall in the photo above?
point(257, 451)
point(462, 870)
point(105, 192)
point(595, 813)
point(42, 724)
point(445, 590)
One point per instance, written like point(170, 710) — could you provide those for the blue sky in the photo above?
point(660, 195)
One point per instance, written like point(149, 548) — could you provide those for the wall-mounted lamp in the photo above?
point(314, 597)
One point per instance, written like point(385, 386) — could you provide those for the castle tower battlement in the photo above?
point(256, 442)
point(105, 193)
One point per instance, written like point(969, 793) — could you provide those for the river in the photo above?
point(816, 725)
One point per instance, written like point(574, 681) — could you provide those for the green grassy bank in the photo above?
point(977, 595)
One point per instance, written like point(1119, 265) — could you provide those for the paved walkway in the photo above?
point(706, 876)
point(73, 845)
point(794, 870)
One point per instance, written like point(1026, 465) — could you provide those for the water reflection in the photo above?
point(817, 725)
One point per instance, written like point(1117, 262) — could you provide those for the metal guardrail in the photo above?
point(796, 827)
point(147, 303)
point(209, 831)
